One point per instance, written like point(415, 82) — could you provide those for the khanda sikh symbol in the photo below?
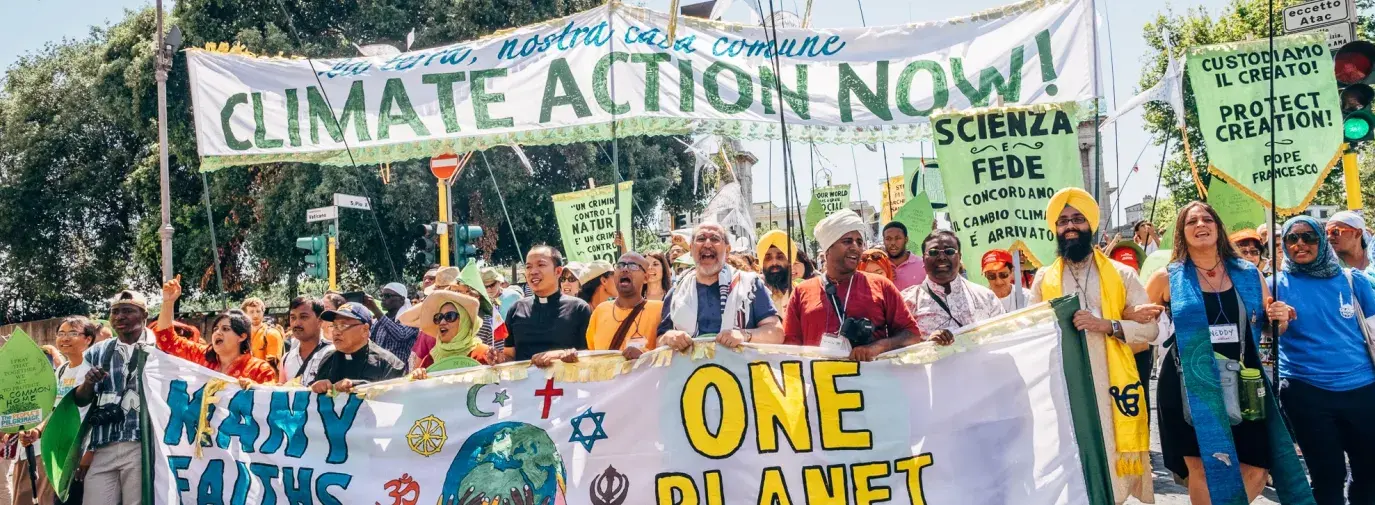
point(609, 488)
point(1127, 399)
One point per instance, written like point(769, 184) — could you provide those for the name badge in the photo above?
point(1224, 333)
point(835, 344)
point(637, 342)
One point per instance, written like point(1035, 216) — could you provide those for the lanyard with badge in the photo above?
point(833, 341)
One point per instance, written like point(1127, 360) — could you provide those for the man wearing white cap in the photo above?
point(387, 331)
point(846, 310)
point(714, 298)
point(1346, 231)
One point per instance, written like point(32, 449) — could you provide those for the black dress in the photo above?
point(1177, 438)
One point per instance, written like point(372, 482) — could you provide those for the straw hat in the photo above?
point(423, 316)
point(594, 270)
point(444, 278)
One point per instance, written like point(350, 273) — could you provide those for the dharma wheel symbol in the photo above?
point(427, 436)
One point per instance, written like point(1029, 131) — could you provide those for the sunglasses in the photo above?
point(997, 276)
point(489, 286)
point(1249, 251)
point(1306, 237)
point(936, 253)
point(447, 317)
point(1338, 232)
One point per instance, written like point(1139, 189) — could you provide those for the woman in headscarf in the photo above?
point(659, 277)
point(1327, 379)
point(875, 261)
point(228, 351)
point(1217, 302)
point(452, 318)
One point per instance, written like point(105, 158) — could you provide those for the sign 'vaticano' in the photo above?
point(568, 79)
point(1240, 118)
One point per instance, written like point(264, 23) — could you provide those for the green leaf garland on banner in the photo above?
point(918, 216)
point(28, 386)
point(587, 222)
point(1237, 210)
point(1000, 168)
point(1232, 96)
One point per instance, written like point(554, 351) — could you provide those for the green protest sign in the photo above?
point(587, 222)
point(825, 201)
point(1237, 210)
point(918, 216)
point(924, 175)
point(1154, 262)
point(62, 448)
point(1001, 167)
point(1232, 85)
point(28, 386)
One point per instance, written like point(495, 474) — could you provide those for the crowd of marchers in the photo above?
point(861, 298)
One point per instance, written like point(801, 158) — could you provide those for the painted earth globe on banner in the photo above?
point(514, 462)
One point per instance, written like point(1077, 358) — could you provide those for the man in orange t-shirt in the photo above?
point(630, 310)
point(266, 343)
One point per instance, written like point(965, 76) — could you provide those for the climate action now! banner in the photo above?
point(999, 418)
point(1231, 84)
point(1000, 169)
point(566, 80)
point(587, 222)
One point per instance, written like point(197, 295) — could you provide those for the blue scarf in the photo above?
point(1326, 266)
point(1198, 371)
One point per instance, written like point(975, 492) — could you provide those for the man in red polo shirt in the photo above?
point(845, 310)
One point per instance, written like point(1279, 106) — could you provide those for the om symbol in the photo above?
point(609, 488)
point(404, 491)
point(1127, 399)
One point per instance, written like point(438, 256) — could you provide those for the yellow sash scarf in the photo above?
point(1132, 432)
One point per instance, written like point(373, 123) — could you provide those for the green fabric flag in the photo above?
point(472, 277)
point(28, 385)
point(825, 201)
point(1001, 166)
point(1237, 210)
point(587, 222)
point(918, 216)
point(924, 175)
point(62, 445)
point(1232, 95)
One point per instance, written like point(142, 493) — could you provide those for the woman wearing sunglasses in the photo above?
point(1327, 380)
point(875, 261)
point(1216, 301)
point(452, 318)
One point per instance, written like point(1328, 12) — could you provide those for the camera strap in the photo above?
point(943, 306)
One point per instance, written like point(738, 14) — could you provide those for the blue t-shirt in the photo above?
point(1325, 347)
point(709, 308)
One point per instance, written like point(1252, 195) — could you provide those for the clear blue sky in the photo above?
point(26, 25)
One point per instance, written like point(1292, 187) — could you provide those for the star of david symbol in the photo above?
point(501, 398)
point(597, 434)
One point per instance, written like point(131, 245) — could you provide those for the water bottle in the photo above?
point(1252, 395)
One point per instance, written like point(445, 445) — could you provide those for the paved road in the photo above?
point(1167, 492)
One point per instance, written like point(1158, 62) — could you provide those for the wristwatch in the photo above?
point(1117, 331)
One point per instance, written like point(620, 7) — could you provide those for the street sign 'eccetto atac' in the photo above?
point(1305, 17)
point(322, 214)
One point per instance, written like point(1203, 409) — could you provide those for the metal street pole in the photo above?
point(163, 64)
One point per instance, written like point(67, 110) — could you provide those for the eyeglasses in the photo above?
point(997, 275)
point(1076, 220)
point(703, 239)
point(340, 328)
point(1250, 251)
point(447, 317)
point(630, 266)
point(936, 253)
point(1306, 237)
point(68, 334)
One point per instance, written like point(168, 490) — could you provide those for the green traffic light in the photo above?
point(1355, 128)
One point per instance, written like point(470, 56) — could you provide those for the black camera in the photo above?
point(110, 413)
point(858, 330)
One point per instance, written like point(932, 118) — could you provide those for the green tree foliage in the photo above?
point(1240, 20)
point(79, 207)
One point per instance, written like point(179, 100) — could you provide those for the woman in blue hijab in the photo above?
point(1327, 381)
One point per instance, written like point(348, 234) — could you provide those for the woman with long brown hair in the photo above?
point(659, 277)
point(1218, 303)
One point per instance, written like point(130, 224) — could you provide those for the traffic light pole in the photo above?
point(1352, 178)
point(444, 220)
point(333, 246)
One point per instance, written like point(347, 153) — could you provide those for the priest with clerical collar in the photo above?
point(549, 319)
